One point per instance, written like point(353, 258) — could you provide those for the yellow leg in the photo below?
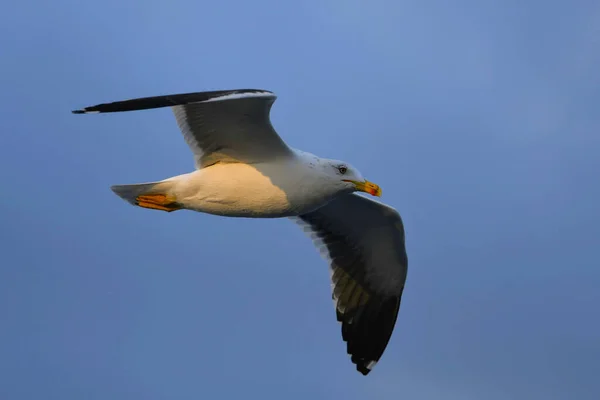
point(156, 201)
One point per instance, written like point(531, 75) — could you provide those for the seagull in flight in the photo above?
point(245, 169)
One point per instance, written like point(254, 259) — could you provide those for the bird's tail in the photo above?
point(153, 195)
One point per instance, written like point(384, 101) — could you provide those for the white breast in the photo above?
point(242, 190)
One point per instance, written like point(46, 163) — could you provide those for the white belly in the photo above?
point(241, 190)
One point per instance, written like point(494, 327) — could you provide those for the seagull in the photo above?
point(244, 169)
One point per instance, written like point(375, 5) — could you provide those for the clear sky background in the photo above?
point(479, 119)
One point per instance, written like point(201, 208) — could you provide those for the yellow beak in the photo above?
point(367, 187)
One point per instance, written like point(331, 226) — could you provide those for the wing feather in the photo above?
point(218, 126)
point(363, 240)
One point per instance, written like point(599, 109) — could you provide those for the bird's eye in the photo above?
point(343, 169)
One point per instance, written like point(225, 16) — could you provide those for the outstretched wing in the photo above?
point(363, 240)
point(219, 126)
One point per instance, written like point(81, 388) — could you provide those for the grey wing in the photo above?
point(219, 126)
point(364, 243)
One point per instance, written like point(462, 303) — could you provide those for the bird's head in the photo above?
point(349, 178)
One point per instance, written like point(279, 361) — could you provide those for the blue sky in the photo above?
point(479, 119)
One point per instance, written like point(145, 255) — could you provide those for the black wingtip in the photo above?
point(363, 370)
point(146, 103)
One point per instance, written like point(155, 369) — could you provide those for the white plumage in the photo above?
point(244, 169)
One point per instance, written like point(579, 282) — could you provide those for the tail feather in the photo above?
point(130, 193)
